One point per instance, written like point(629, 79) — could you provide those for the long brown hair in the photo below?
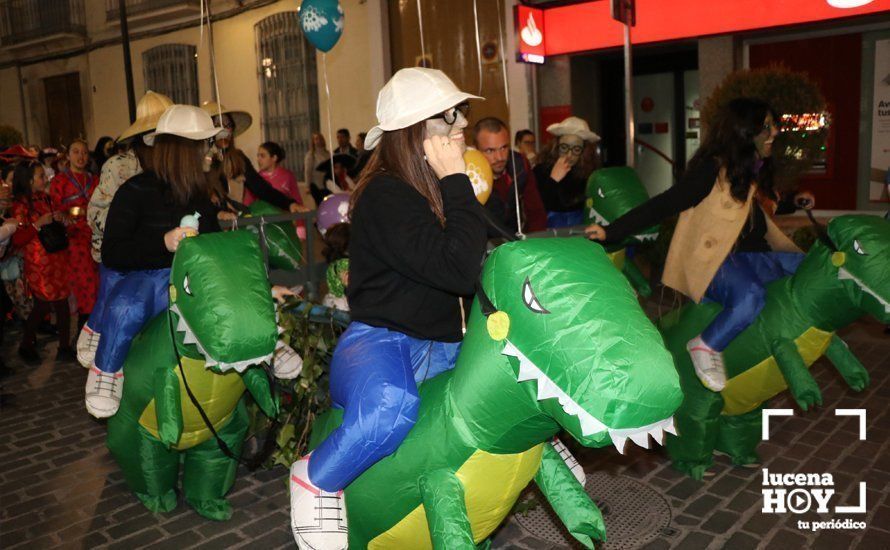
point(180, 162)
point(400, 154)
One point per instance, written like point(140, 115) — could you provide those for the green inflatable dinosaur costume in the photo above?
point(284, 249)
point(612, 193)
point(224, 320)
point(838, 281)
point(567, 349)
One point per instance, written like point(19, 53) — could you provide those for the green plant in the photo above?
point(10, 136)
point(789, 93)
point(313, 332)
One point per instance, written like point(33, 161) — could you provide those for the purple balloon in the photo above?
point(333, 209)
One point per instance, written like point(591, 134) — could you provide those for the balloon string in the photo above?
point(422, 44)
point(327, 93)
point(205, 15)
point(478, 44)
point(501, 39)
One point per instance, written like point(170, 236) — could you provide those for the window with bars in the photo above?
point(172, 70)
point(288, 86)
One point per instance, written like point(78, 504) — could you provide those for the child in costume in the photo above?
point(726, 247)
point(336, 253)
point(417, 244)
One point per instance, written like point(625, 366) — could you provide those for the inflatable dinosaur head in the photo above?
point(579, 342)
point(863, 260)
point(221, 301)
point(613, 192)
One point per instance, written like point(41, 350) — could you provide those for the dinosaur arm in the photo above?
point(446, 512)
point(799, 379)
point(847, 364)
point(258, 385)
point(636, 278)
point(168, 406)
point(567, 497)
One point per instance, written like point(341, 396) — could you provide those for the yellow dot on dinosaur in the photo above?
point(498, 325)
point(172, 294)
point(838, 259)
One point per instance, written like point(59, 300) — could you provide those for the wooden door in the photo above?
point(64, 110)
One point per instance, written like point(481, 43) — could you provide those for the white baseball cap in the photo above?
point(573, 126)
point(185, 121)
point(412, 95)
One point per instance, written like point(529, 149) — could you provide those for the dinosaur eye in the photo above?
point(185, 286)
point(531, 301)
point(858, 248)
point(599, 191)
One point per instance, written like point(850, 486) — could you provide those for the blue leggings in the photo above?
point(740, 287)
point(126, 302)
point(374, 377)
point(564, 219)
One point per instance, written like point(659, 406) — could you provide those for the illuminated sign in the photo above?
point(590, 26)
point(804, 122)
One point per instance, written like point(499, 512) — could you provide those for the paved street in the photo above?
point(60, 488)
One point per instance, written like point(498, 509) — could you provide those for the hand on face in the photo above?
point(439, 126)
point(444, 156)
point(561, 168)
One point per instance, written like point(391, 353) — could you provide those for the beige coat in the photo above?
point(705, 236)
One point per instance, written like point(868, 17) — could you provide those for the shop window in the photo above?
point(172, 70)
point(288, 86)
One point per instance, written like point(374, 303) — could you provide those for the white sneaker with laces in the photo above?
point(708, 364)
point(570, 460)
point(317, 517)
point(87, 344)
point(287, 363)
point(103, 392)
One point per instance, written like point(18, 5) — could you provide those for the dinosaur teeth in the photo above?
point(620, 442)
point(843, 274)
point(598, 218)
point(640, 436)
point(647, 237)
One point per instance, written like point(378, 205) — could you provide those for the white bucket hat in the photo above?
point(185, 121)
point(148, 112)
point(573, 126)
point(412, 95)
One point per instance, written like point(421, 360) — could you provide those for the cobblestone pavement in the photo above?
point(60, 488)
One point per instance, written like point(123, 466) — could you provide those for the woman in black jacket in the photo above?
point(142, 232)
point(417, 241)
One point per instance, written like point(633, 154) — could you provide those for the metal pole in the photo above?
point(629, 96)
point(18, 69)
point(128, 66)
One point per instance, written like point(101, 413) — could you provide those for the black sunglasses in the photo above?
point(450, 115)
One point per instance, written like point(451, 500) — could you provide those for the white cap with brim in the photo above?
point(573, 126)
point(186, 121)
point(413, 95)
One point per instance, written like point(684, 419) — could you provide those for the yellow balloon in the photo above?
point(480, 174)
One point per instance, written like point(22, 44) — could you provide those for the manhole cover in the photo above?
point(635, 514)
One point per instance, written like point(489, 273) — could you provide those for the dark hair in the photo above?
point(274, 150)
point(489, 124)
point(180, 162)
point(5, 170)
point(362, 135)
point(99, 151)
point(144, 153)
point(521, 134)
point(22, 178)
point(400, 154)
point(336, 240)
point(344, 131)
point(730, 141)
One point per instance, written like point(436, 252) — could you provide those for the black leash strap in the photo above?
point(821, 232)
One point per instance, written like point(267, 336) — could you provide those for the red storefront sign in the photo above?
point(589, 26)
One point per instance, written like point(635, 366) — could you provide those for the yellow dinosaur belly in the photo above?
point(745, 392)
point(492, 484)
point(217, 393)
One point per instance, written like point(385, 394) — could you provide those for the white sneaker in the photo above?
point(708, 364)
point(87, 344)
point(570, 460)
point(103, 392)
point(317, 517)
point(287, 363)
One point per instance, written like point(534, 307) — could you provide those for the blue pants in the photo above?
point(374, 377)
point(740, 287)
point(564, 219)
point(134, 298)
point(108, 279)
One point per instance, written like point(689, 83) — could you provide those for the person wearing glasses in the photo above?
point(563, 172)
point(416, 245)
point(726, 247)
